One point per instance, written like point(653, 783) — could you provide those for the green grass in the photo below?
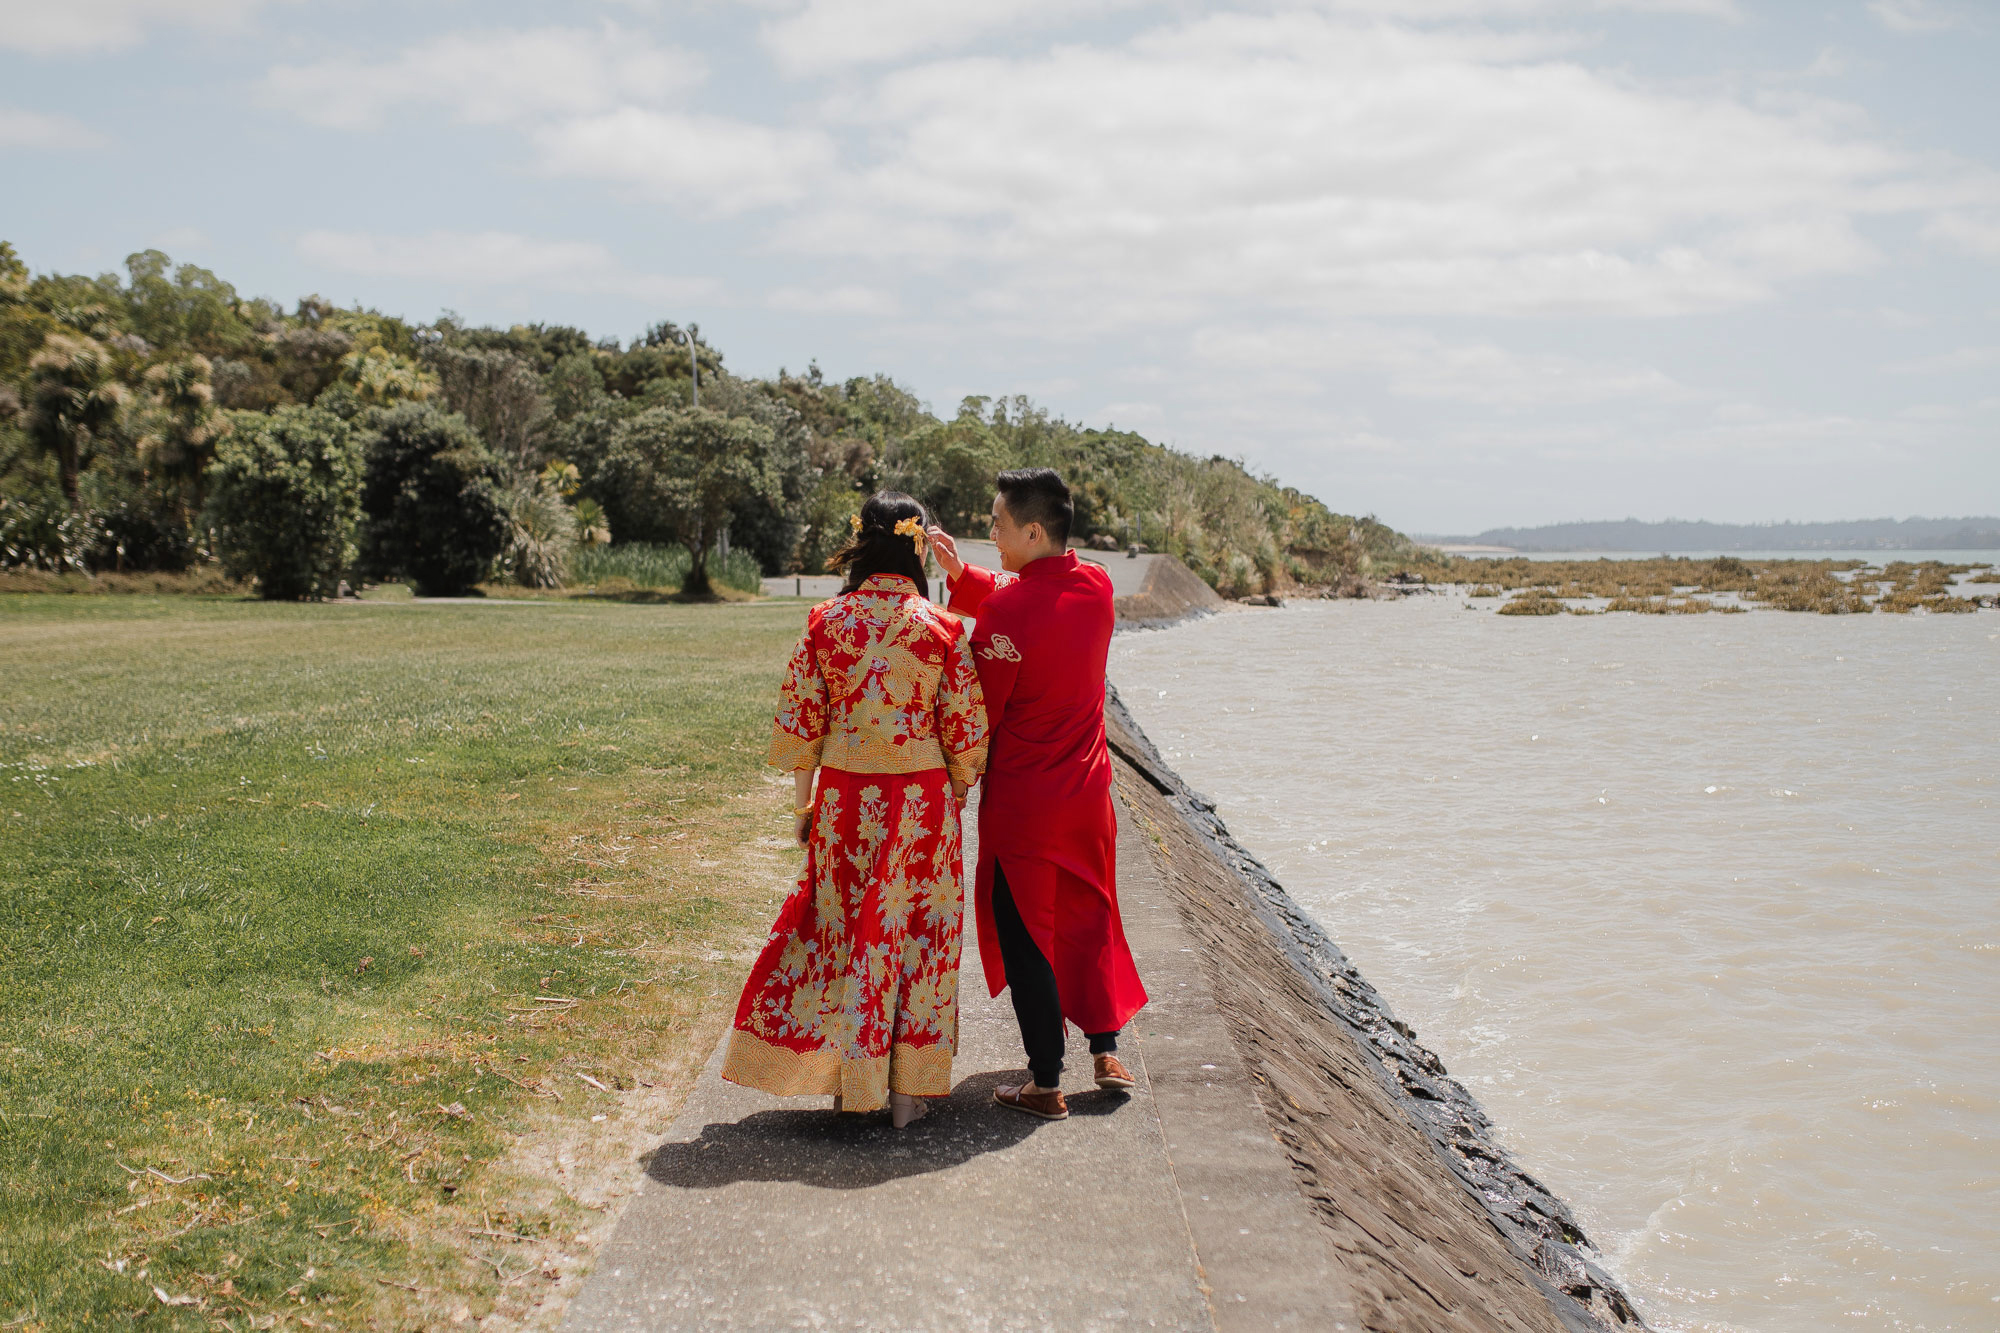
point(289, 890)
point(643, 566)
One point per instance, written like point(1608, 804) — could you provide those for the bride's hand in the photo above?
point(946, 551)
point(802, 828)
point(958, 790)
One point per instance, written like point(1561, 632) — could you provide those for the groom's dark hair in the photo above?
point(1038, 495)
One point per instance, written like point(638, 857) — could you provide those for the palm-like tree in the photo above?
point(72, 401)
point(181, 443)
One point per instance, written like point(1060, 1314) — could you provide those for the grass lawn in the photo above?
point(351, 950)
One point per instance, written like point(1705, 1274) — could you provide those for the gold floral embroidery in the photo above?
point(881, 682)
point(864, 956)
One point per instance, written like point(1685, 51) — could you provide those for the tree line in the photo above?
point(158, 420)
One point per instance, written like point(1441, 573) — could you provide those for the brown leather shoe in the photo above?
point(1112, 1075)
point(1048, 1104)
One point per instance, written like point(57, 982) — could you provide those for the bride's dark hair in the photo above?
point(877, 548)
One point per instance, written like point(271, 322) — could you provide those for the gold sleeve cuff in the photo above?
point(792, 753)
point(966, 768)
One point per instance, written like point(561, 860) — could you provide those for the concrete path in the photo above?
point(1171, 1208)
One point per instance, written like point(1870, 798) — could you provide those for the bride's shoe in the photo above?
point(905, 1111)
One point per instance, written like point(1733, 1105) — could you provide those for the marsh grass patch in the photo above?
point(1675, 585)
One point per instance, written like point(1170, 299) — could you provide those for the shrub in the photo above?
point(592, 527)
point(140, 522)
point(284, 493)
point(435, 512)
point(1239, 577)
point(541, 539)
point(40, 531)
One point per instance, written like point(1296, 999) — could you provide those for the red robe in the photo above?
point(1045, 814)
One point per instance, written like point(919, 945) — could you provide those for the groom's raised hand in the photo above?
point(946, 551)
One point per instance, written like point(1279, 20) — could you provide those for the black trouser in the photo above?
point(1032, 984)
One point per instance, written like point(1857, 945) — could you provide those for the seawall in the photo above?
point(1168, 592)
point(1149, 591)
point(1435, 1224)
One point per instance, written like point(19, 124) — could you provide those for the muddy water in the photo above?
point(1706, 911)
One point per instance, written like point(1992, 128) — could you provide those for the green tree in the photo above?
point(768, 523)
point(433, 501)
point(24, 325)
point(284, 493)
point(380, 377)
point(73, 402)
point(950, 466)
point(191, 311)
point(499, 393)
point(679, 473)
point(13, 273)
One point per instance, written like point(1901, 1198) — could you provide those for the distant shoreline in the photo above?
point(1675, 536)
point(1974, 555)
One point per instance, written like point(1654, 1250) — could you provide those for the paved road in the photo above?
point(1171, 1208)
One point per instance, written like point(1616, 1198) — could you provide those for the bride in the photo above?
point(856, 991)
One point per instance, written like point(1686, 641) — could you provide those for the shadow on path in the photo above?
point(818, 1148)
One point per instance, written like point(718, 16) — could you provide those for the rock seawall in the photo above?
point(1435, 1224)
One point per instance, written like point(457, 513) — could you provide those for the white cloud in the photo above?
point(1974, 234)
point(40, 130)
point(827, 35)
point(1308, 360)
point(1915, 15)
point(1963, 358)
point(55, 27)
point(706, 164)
point(845, 300)
point(493, 259)
point(490, 77)
point(1308, 163)
point(594, 104)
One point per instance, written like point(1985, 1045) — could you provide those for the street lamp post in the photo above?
point(694, 364)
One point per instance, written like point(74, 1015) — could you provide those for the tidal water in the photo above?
point(1705, 910)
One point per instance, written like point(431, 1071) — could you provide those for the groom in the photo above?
point(1047, 885)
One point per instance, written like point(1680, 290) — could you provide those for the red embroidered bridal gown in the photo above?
point(856, 991)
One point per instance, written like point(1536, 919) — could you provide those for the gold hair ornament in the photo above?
point(854, 524)
point(914, 530)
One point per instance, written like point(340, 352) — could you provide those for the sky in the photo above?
point(1456, 263)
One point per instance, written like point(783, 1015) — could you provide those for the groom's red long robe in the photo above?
point(1045, 812)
